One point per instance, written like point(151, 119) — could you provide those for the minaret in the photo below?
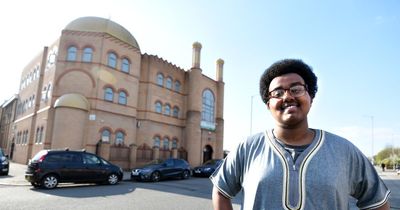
point(219, 150)
point(196, 55)
point(194, 106)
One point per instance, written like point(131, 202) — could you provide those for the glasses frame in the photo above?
point(287, 90)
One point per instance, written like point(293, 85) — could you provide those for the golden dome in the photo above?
point(72, 100)
point(97, 24)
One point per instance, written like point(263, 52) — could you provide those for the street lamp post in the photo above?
point(251, 114)
point(372, 136)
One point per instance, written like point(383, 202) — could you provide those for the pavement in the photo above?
point(16, 175)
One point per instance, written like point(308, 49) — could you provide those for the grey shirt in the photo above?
point(324, 176)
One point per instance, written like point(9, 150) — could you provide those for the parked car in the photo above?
point(162, 169)
point(50, 167)
point(207, 168)
point(4, 164)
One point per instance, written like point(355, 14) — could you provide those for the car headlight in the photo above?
point(207, 169)
point(4, 161)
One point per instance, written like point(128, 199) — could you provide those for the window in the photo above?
point(207, 114)
point(177, 86)
point(119, 138)
point(122, 98)
point(167, 109)
point(41, 135)
point(105, 135)
point(166, 143)
point(175, 112)
point(112, 60)
point(169, 83)
point(37, 135)
point(87, 54)
point(160, 79)
point(108, 94)
point(125, 65)
point(174, 143)
point(90, 159)
point(71, 55)
point(158, 107)
point(156, 142)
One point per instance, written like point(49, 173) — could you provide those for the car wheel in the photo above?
point(112, 179)
point(155, 176)
point(185, 174)
point(50, 181)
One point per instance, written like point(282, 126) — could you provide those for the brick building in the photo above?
point(94, 89)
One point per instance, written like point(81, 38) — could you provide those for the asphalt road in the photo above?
point(194, 193)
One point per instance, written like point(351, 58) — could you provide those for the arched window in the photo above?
point(122, 98)
point(108, 94)
point(41, 135)
point(167, 109)
point(166, 143)
point(174, 144)
point(112, 60)
point(207, 113)
point(87, 54)
point(156, 142)
point(169, 83)
point(105, 135)
point(158, 107)
point(125, 66)
point(177, 86)
point(160, 79)
point(37, 135)
point(175, 112)
point(119, 138)
point(71, 54)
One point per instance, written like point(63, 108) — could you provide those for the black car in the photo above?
point(207, 168)
point(50, 167)
point(4, 164)
point(162, 169)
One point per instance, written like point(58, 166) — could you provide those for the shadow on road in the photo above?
point(88, 190)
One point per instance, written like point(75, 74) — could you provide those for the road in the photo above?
point(192, 194)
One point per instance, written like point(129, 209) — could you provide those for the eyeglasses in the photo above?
point(295, 91)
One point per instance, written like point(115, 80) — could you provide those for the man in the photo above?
point(293, 166)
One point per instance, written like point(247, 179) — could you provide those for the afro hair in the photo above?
point(287, 66)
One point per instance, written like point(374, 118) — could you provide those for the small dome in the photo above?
point(72, 100)
point(97, 24)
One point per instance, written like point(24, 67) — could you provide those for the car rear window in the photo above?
point(39, 155)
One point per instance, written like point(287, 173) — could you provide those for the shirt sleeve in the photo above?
point(227, 178)
point(368, 188)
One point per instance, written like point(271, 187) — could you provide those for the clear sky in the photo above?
point(352, 45)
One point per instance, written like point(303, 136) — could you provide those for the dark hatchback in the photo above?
point(207, 168)
point(162, 169)
point(4, 164)
point(50, 167)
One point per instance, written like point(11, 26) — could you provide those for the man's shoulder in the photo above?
point(334, 139)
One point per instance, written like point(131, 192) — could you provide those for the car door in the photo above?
point(168, 168)
point(178, 168)
point(73, 166)
point(94, 170)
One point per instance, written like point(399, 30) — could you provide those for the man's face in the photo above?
point(289, 111)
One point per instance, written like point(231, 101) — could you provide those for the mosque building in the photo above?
point(94, 89)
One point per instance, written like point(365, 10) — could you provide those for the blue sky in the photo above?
point(352, 45)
